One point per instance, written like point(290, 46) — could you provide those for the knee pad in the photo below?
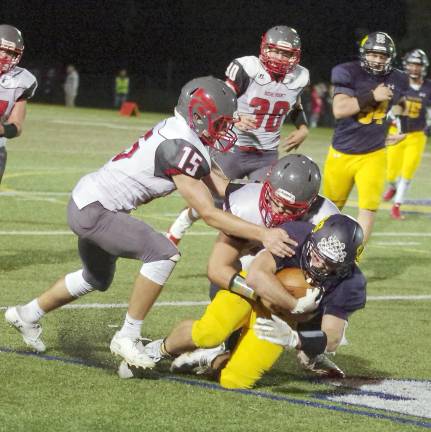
point(77, 285)
point(159, 271)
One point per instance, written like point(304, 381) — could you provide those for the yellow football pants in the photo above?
point(366, 171)
point(252, 357)
point(405, 156)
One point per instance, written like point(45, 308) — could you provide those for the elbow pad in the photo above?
point(10, 130)
point(298, 116)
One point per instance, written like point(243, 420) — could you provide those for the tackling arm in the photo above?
point(198, 197)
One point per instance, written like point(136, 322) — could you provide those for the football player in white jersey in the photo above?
point(17, 85)
point(269, 88)
point(172, 155)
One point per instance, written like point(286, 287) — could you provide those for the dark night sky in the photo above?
point(200, 37)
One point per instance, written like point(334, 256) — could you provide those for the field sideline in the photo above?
point(74, 386)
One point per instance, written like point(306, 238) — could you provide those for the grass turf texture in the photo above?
point(387, 339)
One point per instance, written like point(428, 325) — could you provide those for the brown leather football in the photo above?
point(294, 281)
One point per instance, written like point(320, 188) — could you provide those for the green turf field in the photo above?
point(74, 386)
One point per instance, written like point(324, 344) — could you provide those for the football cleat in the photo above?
point(131, 351)
point(396, 212)
point(181, 224)
point(320, 365)
point(154, 350)
point(389, 193)
point(197, 361)
point(30, 332)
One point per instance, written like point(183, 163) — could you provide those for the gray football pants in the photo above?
point(104, 236)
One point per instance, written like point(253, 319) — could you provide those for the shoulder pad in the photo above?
point(298, 78)
point(253, 67)
point(23, 77)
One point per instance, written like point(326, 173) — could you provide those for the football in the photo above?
point(293, 281)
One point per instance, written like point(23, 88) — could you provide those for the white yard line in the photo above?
point(107, 125)
point(204, 303)
point(211, 233)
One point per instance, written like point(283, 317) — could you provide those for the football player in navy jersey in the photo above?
point(326, 254)
point(405, 156)
point(269, 88)
point(364, 92)
point(172, 155)
point(17, 85)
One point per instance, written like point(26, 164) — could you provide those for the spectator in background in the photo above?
point(122, 82)
point(316, 105)
point(71, 85)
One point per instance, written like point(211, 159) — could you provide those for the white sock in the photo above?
point(31, 312)
point(131, 327)
point(402, 188)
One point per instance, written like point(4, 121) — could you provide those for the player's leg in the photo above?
point(97, 273)
point(208, 333)
point(128, 237)
point(258, 164)
point(338, 177)
point(395, 156)
point(414, 148)
point(370, 181)
point(251, 358)
point(3, 159)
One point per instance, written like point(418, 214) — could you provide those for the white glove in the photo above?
point(277, 331)
point(309, 302)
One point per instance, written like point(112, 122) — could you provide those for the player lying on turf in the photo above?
point(326, 254)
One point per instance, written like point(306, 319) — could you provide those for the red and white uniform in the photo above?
point(270, 101)
point(144, 171)
point(15, 85)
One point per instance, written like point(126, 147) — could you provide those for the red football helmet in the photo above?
point(11, 47)
point(281, 38)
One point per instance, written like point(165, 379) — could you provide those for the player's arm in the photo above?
point(216, 181)
point(199, 197)
point(299, 119)
point(14, 125)
point(261, 278)
point(333, 326)
point(222, 264)
point(346, 106)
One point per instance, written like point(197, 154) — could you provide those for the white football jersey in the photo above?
point(17, 84)
point(243, 201)
point(319, 210)
point(144, 171)
point(270, 101)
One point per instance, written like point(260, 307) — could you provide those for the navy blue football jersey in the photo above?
point(341, 297)
point(366, 131)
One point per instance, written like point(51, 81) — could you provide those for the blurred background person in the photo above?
point(71, 85)
point(316, 105)
point(122, 83)
point(405, 156)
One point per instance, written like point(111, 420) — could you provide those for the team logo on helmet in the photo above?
point(333, 248)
